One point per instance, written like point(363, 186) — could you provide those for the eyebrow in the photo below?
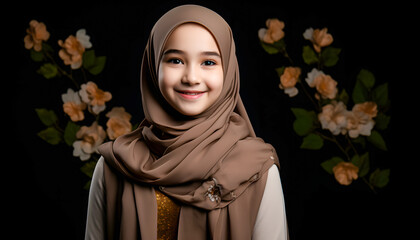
point(205, 53)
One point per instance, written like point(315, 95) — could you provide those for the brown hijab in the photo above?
point(212, 164)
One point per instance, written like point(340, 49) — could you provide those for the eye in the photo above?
point(209, 63)
point(175, 61)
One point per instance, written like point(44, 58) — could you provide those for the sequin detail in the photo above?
point(213, 192)
point(167, 219)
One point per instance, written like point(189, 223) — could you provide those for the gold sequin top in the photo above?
point(167, 219)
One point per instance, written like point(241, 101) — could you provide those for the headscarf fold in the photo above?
point(212, 163)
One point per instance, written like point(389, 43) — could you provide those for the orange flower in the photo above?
point(73, 106)
point(71, 52)
point(360, 121)
point(288, 80)
point(74, 111)
point(274, 32)
point(367, 110)
point(73, 49)
point(318, 37)
point(345, 172)
point(36, 33)
point(95, 97)
point(321, 39)
point(118, 123)
point(326, 86)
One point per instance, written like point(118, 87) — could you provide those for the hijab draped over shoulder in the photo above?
point(212, 163)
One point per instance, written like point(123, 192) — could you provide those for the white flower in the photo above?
point(89, 140)
point(312, 75)
point(308, 34)
point(83, 38)
point(71, 96)
point(78, 152)
point(293, 91)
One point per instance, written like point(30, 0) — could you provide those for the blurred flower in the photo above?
point(73, 48)
point(73, 106)
point(324, 84)
point(288, 80)
point(118, 123)
point(36, 33)
point(361, 122)
point(94, 97)
point(318, 37)
point(90, 138)
point(334, 117)
point(345, 172)
point(274, 32)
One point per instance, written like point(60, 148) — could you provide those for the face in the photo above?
point(190, 71)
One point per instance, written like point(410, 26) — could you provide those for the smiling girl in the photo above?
point(194, 168)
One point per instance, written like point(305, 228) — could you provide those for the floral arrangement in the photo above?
point(330, 118)
point(84, 103)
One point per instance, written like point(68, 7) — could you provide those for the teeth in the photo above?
point(190, 93)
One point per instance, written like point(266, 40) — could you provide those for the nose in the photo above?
point(191, 76)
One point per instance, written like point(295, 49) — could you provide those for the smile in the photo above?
point(190, 94)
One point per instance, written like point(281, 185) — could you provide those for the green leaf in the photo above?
point(87, 185)
point(269, 48)
point(304, 121)
point(36, 56)
point(376, 139)
point(312, 141)
point(47, 117)
point(48, 70)
point(50, 135)
point(359, 140)
point(366, 78)
point(88, 168)
point(360, 93)
point(70, 132)
point(309, 56)
point(93, 64)
point(380, 95)
point(343, 96)
point(89, 59)
point(330, 164)
point(379, 178)
point(362, 162)
point(99, 65)
point(329, 56)
point(280, 70)
point(382, 121)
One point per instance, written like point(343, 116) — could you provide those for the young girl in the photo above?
point(194, 168)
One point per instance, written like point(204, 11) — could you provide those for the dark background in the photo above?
point(47, 184)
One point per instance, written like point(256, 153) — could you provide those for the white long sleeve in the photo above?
point(271, 223)
point(95, 223)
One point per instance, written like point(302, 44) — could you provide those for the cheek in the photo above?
point(215, 81)
point(167, 78)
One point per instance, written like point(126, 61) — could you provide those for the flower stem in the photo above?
point(62, 71)
point(370, 185)
point(309, 96)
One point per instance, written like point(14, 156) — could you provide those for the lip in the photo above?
point(190, 94)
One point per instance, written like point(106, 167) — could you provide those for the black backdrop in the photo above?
point(49, 186)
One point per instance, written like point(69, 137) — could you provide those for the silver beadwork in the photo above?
point(213, 192)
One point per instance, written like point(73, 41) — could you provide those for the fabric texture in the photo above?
point(271, 223)
point(212, 163)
